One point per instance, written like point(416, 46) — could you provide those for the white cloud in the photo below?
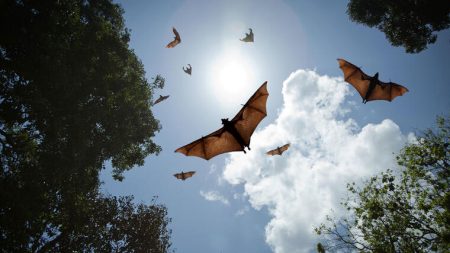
point(327, 151)
point(242, 211)
point(214, 196)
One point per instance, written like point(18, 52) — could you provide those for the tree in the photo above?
point(105, 224)
point(400, 212)
point(408, 23)
point(73, 96)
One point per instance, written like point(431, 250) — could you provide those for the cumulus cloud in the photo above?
point(214, 196)
point(327, 151)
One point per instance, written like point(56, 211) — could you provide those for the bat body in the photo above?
point(160, 99)
point(188, 70)
point(235, 134)
point(370, 88)
point(278, 150)
point(248, 36)
point(176, 40)
point(184, 175)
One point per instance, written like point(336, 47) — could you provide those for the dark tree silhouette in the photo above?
point(407, 23)
point(73, 95)
point(400, 212)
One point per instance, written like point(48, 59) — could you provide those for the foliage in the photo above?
point(407, 23)
point(102, 224)
point(407, 212)
point(73, 96)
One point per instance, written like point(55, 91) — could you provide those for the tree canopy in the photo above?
point(73, 96)
point(400, 212)
point(408, 23)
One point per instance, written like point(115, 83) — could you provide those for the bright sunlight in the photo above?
point(232, 78)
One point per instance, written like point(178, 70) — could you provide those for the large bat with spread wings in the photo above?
point(176, 40)
point(278, 150)
point(184, 175)
point(235, 134)
point(370, 88)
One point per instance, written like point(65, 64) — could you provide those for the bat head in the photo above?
point(225, 121)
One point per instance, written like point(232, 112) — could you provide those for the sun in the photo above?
point(232, 78)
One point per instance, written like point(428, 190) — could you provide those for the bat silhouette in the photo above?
point(248, 36)
point(235, 134)
point(188, 70)
point(160, 99)
point(176, 40)
point(184, 175)
point(370, 88)
point(278, 150)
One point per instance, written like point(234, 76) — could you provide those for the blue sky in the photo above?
point(251, 203)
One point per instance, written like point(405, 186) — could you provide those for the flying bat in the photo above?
point(370, 88)
point(188, 70)
point(278, 150)
point(184, 175)
point(235, 134)
point(176, 40)
point(160, 99)
point(248, 36)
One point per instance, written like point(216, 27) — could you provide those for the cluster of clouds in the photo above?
point(327, 151)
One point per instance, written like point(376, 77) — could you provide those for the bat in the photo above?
point(188, 70)
point(235, 134)
point(160, 99)
point(278, 150)
point(248, 36)
point(176, 40)
point(184, 175)
point(370, 88)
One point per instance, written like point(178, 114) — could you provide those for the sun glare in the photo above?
point(233, 79)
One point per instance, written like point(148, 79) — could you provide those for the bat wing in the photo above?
point(248, 118)
point(354, 76)
point(189, 174)
point(160, 99)
point(284, 148)
point(177, 35)
point(387, 91)
point(273, 152)
point(176, 40)
point(207, 147)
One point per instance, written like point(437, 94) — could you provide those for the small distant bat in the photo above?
point(160, 99)
point(184, 175)
point(176, 40)
point(235, 134)
point(278, 150)
point(370, 88)
point(248, 36)
point(188, 70)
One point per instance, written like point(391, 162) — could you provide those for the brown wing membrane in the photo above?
point(354, 76)
point(222, 141)
point(207, 147)
point(184, 175)
point(176, 40)
point(279, 150)
point(387, 91)
point(248, 118)
point(160, 99)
